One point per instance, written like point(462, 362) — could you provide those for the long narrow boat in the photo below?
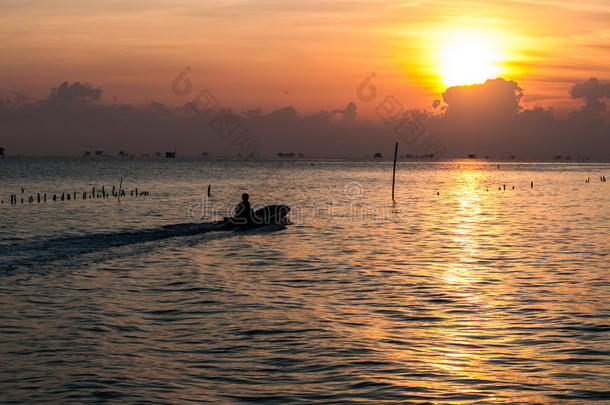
point(269, 215)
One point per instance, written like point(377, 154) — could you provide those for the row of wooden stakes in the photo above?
point(602, 178)
point(94, 194)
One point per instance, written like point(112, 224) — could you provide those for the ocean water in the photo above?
point(461, 292)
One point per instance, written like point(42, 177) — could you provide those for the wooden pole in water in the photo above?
point(120, 187)
point(394, 172)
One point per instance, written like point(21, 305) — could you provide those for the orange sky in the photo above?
point(310, 55)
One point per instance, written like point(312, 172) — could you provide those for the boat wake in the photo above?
point(27, 253)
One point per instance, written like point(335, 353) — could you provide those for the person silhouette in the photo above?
point(243, 210)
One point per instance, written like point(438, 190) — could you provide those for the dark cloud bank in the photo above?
point(485, 119)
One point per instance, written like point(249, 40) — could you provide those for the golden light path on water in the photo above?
point(452, 351)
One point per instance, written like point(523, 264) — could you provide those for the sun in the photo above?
point(469, 58)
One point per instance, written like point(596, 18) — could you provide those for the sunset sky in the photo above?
point(310, 55)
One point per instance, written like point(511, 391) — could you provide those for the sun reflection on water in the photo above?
point(467, 222)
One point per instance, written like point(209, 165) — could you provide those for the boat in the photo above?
point(269, 215)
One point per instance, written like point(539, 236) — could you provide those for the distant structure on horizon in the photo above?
point(2, 153)
point(426, 156)
point(378, 155)
point(99, 153)
point(287, 155)
point(170, 155)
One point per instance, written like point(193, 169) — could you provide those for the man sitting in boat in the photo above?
point(243, 211)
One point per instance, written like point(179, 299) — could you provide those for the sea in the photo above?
point(482, 282)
